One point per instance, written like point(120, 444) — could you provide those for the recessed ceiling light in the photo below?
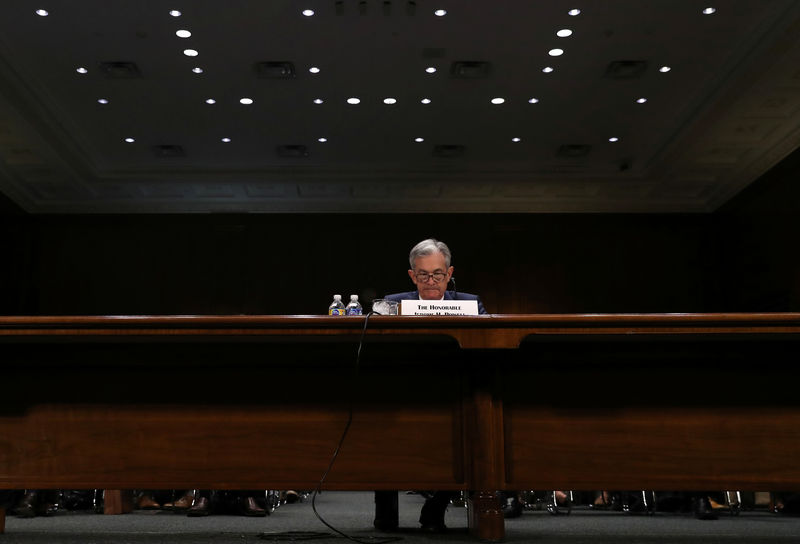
point(498, 100)
point(641, 100)
point(564, 33)
point(555, 52)
point(574, 12)
point(82, 70)
point(42, 12)
point(183, 34)
point(440, 13)
point(390, 101)
point(102, 101)
point(533, 101)
point(130, 140)
point(317, 101)
point(548, 69)
point(664, 69)
point(308, 12)
point(353, 100)
point(419, 140)
point(226, 140)
point(426, 100)
point(175, 13)
point(709, 11)
point(430, 69)
point(515, 140)
point(190, 52)
point(197, 70)
point(322, 140)
point(246, 101)
point(314, 70)
point(613, 139)
point(210, 101)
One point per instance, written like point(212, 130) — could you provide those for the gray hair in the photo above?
point(429, 247)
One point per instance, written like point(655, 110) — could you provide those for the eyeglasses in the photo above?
point(423, 277)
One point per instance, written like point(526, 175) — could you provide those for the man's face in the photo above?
point(429, 289)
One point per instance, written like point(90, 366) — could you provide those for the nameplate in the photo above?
point(439, 307)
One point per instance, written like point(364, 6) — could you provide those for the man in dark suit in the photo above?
point(431, 272)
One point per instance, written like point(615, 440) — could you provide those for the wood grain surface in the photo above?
point(633, 401)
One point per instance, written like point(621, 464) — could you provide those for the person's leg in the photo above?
point(510, 504)
point(147, 500)
point(201, 505)
point(432, 515)
point(701, 504)
point(249, 503)
point(48, 502)
point(184, 502)
point(387, 516)
point(26, 507)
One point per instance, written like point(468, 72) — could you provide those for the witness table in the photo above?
point(672, 402)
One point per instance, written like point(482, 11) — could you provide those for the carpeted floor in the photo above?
point(352, 513)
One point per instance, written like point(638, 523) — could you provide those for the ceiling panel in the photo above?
point(726, 111)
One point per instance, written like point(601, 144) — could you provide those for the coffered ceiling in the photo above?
point(726, 110)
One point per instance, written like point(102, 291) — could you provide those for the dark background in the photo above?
point(743, 257)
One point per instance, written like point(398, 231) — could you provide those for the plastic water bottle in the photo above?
point(353, 307)
point(336, 307)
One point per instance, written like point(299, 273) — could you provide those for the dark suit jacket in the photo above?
point(448, 295)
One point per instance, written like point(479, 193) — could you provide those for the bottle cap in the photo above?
point(337, 297)
point(353, 297)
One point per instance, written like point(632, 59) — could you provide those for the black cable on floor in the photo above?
point(368, 540)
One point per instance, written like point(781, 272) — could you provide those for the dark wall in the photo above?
point(292, 264)
point(759, 258)
point(744, 258)
point(8, 208)
point(15, 256)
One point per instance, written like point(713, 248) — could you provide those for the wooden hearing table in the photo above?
point(676, 401)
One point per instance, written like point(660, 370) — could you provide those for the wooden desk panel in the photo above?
point(178, 447)
point(477, 403)
point(225, 415)
point(692, 412)
point(687, 449)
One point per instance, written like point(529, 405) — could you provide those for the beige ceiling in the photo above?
point(727, 111)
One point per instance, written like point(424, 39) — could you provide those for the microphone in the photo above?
point(455, 293)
